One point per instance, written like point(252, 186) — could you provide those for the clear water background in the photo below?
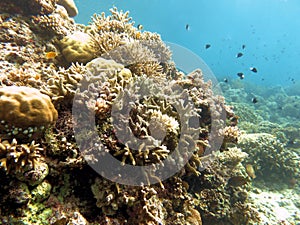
point(270, 29)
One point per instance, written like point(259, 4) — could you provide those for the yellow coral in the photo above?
point(24, 107)
point(77, 47)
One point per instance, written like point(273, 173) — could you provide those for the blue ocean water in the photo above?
point(269, 30)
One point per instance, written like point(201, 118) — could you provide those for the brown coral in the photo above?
point(28, 7)
point(14, 157)
point(24, 107)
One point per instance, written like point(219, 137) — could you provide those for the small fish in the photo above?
point(187, 27)
point(293, 80)
point(250, 171)
point(207, 46)
point(225, 80)
point(243, 46)
point(239, 55)
point(50, 55)
point(253, 69)
point(254, 100)
point(237, 181)
point(241, 75)
point(140, 27)
point(138, 35)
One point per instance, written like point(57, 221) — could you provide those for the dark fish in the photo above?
point(187, 27)
point(243, 46)
point(241, 76)
point(253, 69)
point(239, 55)
point(225, 80)
point(237, 181)
point(139, 26)
point(254, 100)
point(293, 80)
point(207, 46)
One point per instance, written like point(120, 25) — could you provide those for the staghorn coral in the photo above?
point(139, 57)
point(115, 37)
point(118, 22)
point(148, 117)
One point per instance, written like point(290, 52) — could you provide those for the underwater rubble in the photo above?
point(45, 176)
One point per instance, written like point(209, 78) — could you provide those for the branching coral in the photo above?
point(14, 157)
point(62, 85)
point(51, 23)
point(156, 120)
point(269, 157)
point(118, 22)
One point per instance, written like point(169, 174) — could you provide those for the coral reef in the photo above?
point(52, 67)
point(269, 157)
